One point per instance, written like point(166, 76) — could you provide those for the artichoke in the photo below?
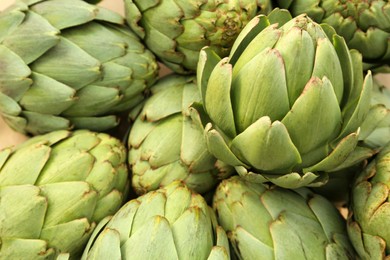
point(177, 30)
point(365, 25)
point(376, 127)
point(287, 104)
point(69, 64)
point(269, 222)
point(169, 223)
point(369, 218)
point(166, 144)
point(55, 188)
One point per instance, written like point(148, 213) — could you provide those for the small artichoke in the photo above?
point(69, 64)
point(287, 104)
point(166, 143)
point(265, 222)
point(169, 223)
point(177, 30)
point(369, 219)
point(55, 188)
point(365, 25)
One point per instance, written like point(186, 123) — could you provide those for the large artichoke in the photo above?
point(69, 64)
point(169, 223)
point(369, 219)
point(365, 25)
point(177, 30)
point(286, 105)
point(166, 144)
point(55, 188)
point(274, 223)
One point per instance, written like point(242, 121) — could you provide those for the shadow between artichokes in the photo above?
point(287, 104)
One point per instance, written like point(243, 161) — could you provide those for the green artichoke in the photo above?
point(369, 218)
point(166, 143)
point(55, 188)
point(169, 223)
point(287, 104)
point(177, 30)
point(365, 25)
point(375, 130)
point(274, 223)
point(68, 64)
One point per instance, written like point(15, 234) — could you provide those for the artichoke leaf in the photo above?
point(219, 148)
point(106, 246)
point(339, 154)
point(217, 98)
point(266, 146)
point(17, 248)
point(208, 59)
point(153, 241)
point(34, 159)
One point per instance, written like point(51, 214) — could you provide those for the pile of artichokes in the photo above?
point(271, 123)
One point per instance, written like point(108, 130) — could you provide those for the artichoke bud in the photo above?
point(269, 222)
point(365, 25)
point(161, 223)
point(287, 103)
point(64, 184)
point(182, 29)
point(86, 66)
point(369, 208)
point(168, 144)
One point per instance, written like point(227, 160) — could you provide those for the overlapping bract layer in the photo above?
point(365, 25)
point(287, 104)
point(166, 143)
point(169, 223)
point(369, 220)
point(69, 64)
point(55, 188)
point(376, 127)
point(274, 223)
point(177, 30)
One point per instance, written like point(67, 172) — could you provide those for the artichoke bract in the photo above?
point(265, 222)
point(169, 223)
point(166, 141)
point(365, 25)
point(177, 30)
point(55, 188)
point(375, 130)
point(287, 104)
point(69, 64)
point(369, 218)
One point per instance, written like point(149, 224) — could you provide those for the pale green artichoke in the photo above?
point(54, 189)
point(274, 223)
point(376, 128)
point(177, 30)
point(365, 25)
point(287, 104)
point(166, 143)
point(69, 64)
point(169, 223)
point(369, 219)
